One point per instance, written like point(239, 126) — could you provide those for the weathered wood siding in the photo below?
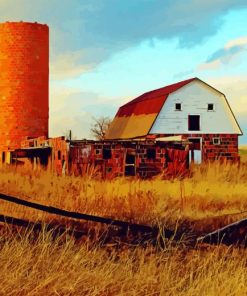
point(195, 98)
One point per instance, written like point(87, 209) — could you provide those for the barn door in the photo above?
point(195, 154)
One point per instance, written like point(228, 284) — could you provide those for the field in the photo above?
point(213, 196)
point(45, 267)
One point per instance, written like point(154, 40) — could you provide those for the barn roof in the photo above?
point(136, 118)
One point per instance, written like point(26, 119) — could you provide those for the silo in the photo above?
point(24, 82)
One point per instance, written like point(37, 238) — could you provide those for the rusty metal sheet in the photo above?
point(133, 126)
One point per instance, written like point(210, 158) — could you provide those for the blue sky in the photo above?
point(105, 52)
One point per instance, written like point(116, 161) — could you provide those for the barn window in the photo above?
point(59, 155)
point(178, 106)
point(210, 107)
point(106, 153)
point(130, 162)
point(151, 153)
point(130, 159)
point(216, 141)
point(97, 151)
point(194, 122)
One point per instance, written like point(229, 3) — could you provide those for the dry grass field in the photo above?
point(47, 267)
point(212, 196)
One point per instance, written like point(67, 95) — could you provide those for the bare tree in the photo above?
point(99, 127)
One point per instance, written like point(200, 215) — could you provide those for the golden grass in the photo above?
point(213, 190)
point(62, 267)
point(44, 266)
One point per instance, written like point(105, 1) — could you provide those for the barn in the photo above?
point(190, 109)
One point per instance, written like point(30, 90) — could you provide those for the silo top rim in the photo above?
point(24, 23)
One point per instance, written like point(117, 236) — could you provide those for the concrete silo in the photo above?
point(24, 82)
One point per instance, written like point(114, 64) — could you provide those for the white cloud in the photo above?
point(68, 65)
point(72, 108)
point(237, 42)
point(232, 50)
point(71, 64)
point(214, 65)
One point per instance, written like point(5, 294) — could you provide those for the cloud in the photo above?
point(242, 41)
point(235, 89)
point(225, 55)
point(214, 65)
point(71, 108)
point(71, 64)
point(231, 51)
point(92, 31)
point(67, 65)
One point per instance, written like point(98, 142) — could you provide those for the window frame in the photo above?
point(216, 138)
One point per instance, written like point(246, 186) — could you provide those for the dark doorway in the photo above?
point(195, 154)
point(3, 157)
point(43, 158)
point(194, 122)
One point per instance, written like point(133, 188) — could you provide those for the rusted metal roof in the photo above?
point(135, 118)
point(127, 127)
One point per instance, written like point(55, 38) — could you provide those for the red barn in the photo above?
point(191, 109)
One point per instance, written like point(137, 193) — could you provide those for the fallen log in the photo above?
point(141, 232)
point(232, 234)
point(38, 226)
point(103, 236)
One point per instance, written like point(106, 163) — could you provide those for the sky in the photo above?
point(104, 53)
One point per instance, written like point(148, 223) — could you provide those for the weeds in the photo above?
point(60, 266)
point(214, 192)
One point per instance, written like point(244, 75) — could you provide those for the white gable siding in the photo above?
point(195, 98)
